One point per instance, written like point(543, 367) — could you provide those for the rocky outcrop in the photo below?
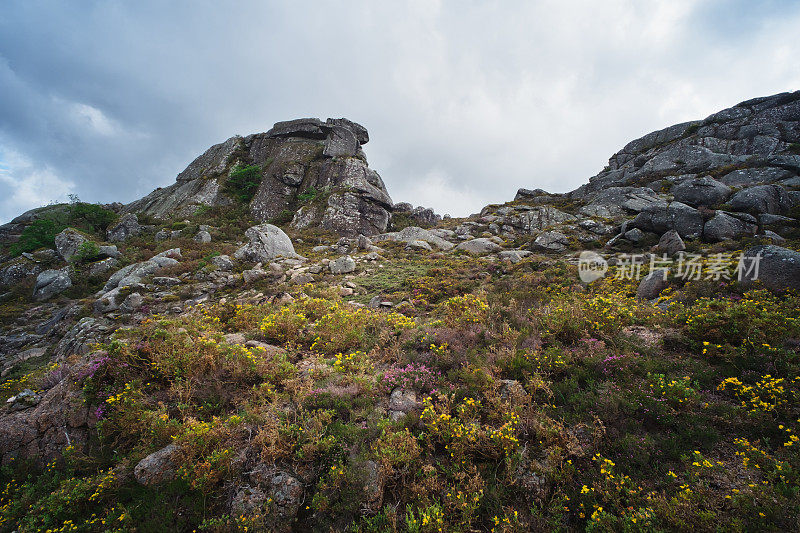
point(315, 171)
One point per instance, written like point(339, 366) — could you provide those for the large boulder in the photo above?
point(671, 243)
point(51, 283)
point(652, 284)
point(135, 273)
point(479, 246)
point(267, 242)
point(68, 242)
point(343, 265)
point(686, 220)
point(772, 199)
point(701, 191)
point(778, 268)
point(552, 241)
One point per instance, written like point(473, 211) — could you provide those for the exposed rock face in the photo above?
point(701, 191)
point(755, 134)
point(41, 432)
point(17, 270)
point(127, 227)
point(311, 168)
point(50, 283)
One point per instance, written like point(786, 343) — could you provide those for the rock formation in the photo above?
point(312, 172)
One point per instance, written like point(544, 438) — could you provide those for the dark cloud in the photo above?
point(465, 101)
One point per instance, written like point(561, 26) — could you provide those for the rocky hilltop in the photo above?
point(732, 175)
point(270, 344)
point(295, 158)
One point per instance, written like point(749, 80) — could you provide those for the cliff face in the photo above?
point(313, 171)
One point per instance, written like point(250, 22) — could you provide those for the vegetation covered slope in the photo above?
point(492, 396)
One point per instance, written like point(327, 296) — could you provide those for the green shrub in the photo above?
point(87, 251)
point(308, 195)
point(40, 234)
point(243, 182)
point(284, 217)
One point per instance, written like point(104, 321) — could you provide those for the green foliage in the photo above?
point(88, 251)
point(243, 182)
point(308, 195)
point(41, 233)
point(284, 217)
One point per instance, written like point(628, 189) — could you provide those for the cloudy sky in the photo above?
point(465, 101)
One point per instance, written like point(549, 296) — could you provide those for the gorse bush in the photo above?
point(243, 182)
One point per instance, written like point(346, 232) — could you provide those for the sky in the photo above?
point(465, 101)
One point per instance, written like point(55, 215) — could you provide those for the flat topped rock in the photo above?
point(340, 129)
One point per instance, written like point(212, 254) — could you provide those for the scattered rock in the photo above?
point(652, 285)
point(670, 243)
point(343, 265)
point(203, 237)
point(24, 400)
point(419, 245)
point(479, 246)
point(515, 256)
point(158, 467)
point(553, 241)
point(68, 242)
point(414, 233)
point(222, 262)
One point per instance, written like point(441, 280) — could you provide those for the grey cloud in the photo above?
point(465, 102)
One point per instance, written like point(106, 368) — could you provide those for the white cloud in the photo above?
point(86, 115)
point(26, 186)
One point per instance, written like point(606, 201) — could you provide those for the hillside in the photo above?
point(271, 344)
